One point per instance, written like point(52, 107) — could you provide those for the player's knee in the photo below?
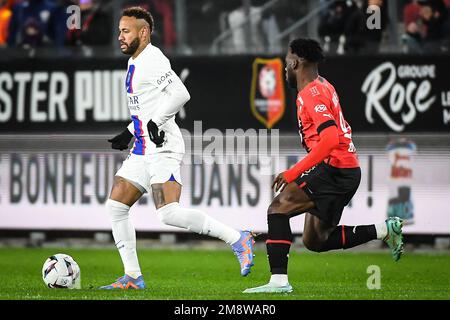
point(166, 214)
point(274, 207)
point(193, 220)
point(286, 206)
point(279, 205)
point(313, 245)
point(118, 211)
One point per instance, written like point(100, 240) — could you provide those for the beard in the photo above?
point(131, 49)
point(292, 80)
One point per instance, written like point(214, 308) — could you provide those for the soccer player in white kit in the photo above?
point(155, 94)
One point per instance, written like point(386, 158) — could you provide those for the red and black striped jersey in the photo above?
point(318, 107)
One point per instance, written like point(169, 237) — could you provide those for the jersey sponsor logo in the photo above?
point(320, 108)
point(133, 103)
point(133, 100)
point(267, 98)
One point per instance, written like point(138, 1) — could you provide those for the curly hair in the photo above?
point(307, 49)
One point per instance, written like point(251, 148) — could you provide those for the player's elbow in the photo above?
point(179, 93)
point(334, 141)
point(187, 96)
point(184, 95)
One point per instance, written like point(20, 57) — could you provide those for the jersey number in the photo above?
point(346, 129)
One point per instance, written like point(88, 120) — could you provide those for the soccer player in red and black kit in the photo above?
point(324, 181)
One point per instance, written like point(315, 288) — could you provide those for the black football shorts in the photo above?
point(331, 189)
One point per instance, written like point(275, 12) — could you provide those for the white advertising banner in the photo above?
point(67, 191)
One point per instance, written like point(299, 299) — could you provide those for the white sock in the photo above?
point(279, 279)
point(381, 229)
point(124, 236)
point(194, 220)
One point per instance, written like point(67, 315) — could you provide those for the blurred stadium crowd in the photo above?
point(232, 26)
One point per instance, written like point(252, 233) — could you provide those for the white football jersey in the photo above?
point(147, 76)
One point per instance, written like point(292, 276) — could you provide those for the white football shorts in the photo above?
point(145, 170)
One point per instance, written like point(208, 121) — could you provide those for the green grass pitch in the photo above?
point(214, 275)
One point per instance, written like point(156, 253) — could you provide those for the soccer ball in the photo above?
point(61, 271)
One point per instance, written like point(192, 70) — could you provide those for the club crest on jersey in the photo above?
point(267, 98)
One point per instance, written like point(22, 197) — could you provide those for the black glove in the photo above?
point(121, 141)
point(155, 135)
